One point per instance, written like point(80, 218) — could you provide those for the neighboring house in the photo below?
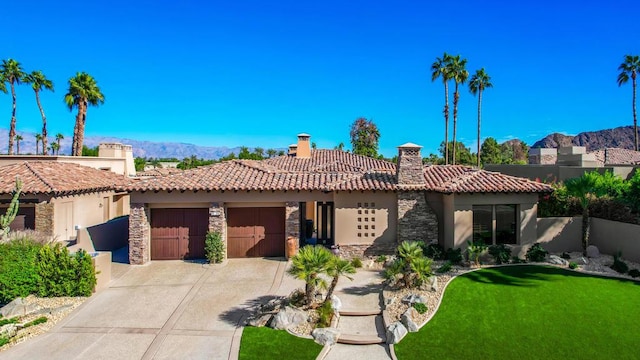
point(331, 197)
point(59, 198)
point(161, 165)
point(564, 163)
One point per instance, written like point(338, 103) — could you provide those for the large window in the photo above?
point(495, 224)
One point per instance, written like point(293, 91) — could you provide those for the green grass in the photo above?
point(531, 312)
point(266, 343)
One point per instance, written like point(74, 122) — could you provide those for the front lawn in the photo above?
point(266, 343)
point(530, 312)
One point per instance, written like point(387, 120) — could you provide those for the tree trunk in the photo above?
point(446, 122)
point(586, 227)
point(44, 125)
point(78, 130)
point(479, 119)
point(12, 128)
point(635, 119)
point(308, 291)
point(58, 149)
point(18, 146)
point(456, 96)
point(334, 283)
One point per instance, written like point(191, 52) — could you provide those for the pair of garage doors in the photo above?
point(251, 232)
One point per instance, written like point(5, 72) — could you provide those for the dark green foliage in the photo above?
point(13, 320)
point(35, 322)
point(463, 154)
point(420, 307)
point(573, 265)
point(139, 163)
point(411, 268)
point(64, 274)
point(536, 253)
point(381, 259)
point(634, 273)
point(18, 275)
point(619, 265)
point(444, 268)
point(87, 151)
point(325, 314)
point(501, 253)
point(364, 137)
point(433, 251)
point(566, 256)
point(356, 262)
point(517, 260)
point(474, 250)
point(3, 341)
point(214, 247)
point(453, 255)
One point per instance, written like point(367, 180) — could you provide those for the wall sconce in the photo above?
point(215, 213)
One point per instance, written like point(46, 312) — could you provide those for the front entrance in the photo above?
point(255, 232)
point(178, 233)
point(325, 222)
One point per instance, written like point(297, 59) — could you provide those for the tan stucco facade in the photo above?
point(365, 217)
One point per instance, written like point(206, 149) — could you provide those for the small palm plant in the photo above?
point(411, 268)
point(307, 265)
point(338, 267)
point(474, 250)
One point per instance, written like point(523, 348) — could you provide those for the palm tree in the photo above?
point(440, 69)
point(13, 74)
point(55, 148)
point(38, 140)
point(629, 69)
point(59, 138)
point(459, 74)
point(38, 82)
point(337, 268)
point(585, 188)
point(307, 265)
point(18, 139)
point(83, 91)
point(479, 81)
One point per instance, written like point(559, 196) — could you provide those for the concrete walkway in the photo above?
point(163, 310)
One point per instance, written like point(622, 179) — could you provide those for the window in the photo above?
point(495, 224)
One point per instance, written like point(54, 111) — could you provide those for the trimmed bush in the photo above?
point(536, 253)
point(64, 274)
point(433, 251)
point(18, 275)
point(566, 256)
point(634, 273)
point(444, 268)
point(214, 247)
point(356, 262)
point(381, 259)
point(501, 253)
point(453, 255)
point(573, 265)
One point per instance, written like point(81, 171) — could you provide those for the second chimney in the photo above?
point(304, 146)
point(409, 168)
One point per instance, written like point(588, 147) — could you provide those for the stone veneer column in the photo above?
point(44, 218)
point(139, 235)
point(292, 219)
point(218, 222)
point(416, 219)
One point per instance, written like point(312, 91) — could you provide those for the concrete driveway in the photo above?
point(163, 310)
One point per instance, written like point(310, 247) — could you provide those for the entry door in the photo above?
point(325, 222)
point(66, 220)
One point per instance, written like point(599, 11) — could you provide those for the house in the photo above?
point(330, 197)
point(59, 198)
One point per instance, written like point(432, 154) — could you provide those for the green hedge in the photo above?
point(18, 276)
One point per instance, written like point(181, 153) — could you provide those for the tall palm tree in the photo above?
point(59, 138)
point(459, 75)
point(629, 69)
point(83, 91)
point(12, 73)
point(55, 148)
point(39, 82)
point(38, 140)
point(18, 139)
point(479, 81)
point(440, 69)
point(585, 189)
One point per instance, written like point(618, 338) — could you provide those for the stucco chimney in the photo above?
point(293, 150)
point(409, 169)
point(304, 146)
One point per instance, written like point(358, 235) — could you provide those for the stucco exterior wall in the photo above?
point(613, 236)
point(558, 234)
point(81, 210)
point(558, 172)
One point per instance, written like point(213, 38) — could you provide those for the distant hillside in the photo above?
point(148, 149)
point(621, 137)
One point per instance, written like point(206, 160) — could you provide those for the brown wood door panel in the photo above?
point(255, 232)
point(178, 233)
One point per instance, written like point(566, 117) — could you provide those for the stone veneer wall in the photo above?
point(292, 219)
point(409, 168)
point(44, 218)
point(416, 219)
point(139, 235)
point(351, 251)
point(218, 222)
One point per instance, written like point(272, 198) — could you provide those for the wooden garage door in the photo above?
point(255, 232)
point(178, 233)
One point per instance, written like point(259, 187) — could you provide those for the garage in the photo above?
point(255, 232)
point(178, 233)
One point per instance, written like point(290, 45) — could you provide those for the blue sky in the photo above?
point(257, 73)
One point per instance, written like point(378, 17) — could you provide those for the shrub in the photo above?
point(381, 259)
point(325, 313)
point(454, 256)
point(444, 268)
point(573, 265)
point(411, 268)
point(3, 341)
point(536, 253)
point(566, 256)
point(619, 265)
point(64, 274)
point(517, 260)
point(634, 273)
point(433, 251)
point(214, 247)
point(18, 275)
point(35, 322)
point(421, 308)
point(356, 262)
point(501, 253)
point(12, 320)
point(474, 249)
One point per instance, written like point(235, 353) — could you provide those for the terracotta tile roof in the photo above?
point(328, 170)
point(615, 156)
point(463, 179)
point(52, 177)
point(158, 172)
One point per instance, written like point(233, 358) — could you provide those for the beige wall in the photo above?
point(557, 172)
point(613, 236)
point(117, 165)
point(559, 234)
point(346, 218)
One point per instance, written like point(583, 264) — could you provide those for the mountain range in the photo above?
point(620, 137)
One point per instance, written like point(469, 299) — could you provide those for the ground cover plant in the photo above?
point(266, 343)
point(530, 312)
